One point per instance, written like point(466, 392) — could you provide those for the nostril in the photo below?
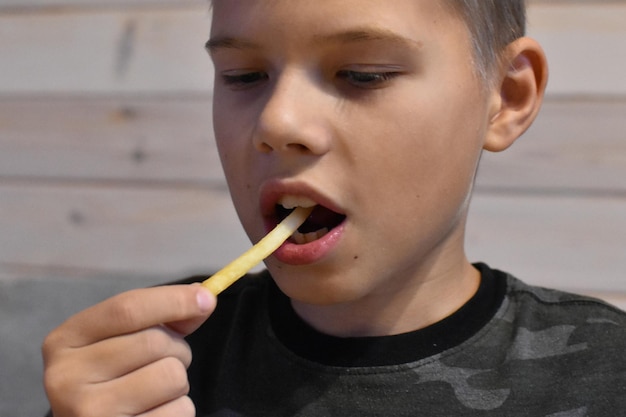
point(298, 147)
point(294, 147)
point(264, 147)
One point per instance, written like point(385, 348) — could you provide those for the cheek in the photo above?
point(229, 138)
point(234, 169)
point(425, 163)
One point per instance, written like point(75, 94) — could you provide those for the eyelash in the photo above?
point(359, 79)
point(367, 79)
point(244, 80)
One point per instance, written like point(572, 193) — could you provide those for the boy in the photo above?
point(376, 112)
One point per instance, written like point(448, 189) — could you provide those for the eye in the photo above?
point(240, 80)
point(367, 79)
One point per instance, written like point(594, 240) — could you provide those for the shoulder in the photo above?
point(551, 306)
point(546, 323)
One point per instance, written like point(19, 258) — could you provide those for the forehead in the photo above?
point(281, 20)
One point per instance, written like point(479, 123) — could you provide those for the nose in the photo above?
point(293, 118)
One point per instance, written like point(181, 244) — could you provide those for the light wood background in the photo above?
point(109, 177)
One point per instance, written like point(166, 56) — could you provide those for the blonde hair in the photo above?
point(492, 24)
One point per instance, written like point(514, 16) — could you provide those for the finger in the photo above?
point(180, 407)
point(117, 356)
point(149, 387)
point(133, 311)
point(82, 377)
point(185, 327)
point(145, 389)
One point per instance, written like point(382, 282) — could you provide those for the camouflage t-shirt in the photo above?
point(513, 350)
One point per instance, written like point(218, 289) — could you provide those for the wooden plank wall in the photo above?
point(553, 207)
point(108, 170)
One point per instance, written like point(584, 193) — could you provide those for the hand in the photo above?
point(126, 356)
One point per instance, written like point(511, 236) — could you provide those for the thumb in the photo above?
point(206, 305)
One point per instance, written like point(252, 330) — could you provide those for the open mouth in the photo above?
point(321, 221)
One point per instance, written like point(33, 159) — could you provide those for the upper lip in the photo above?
point(273, 190)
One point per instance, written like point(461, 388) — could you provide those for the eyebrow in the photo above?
point(345, 37)
point(227, 42)
point(368, 34)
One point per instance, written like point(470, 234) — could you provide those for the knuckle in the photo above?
point(184, 353)
point(47, 349)
point(174, 371)
point(179, 407)
point(159, 342)
point(187, 355)
point(186, 408)
point(175, 345)
point(55, 380)
point(123, 311)
point(51, 344)
point(155, 343)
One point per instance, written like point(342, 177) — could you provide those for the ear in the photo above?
point(518, 95)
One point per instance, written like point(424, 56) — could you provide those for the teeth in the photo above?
point(292, 201)
point(302, 238)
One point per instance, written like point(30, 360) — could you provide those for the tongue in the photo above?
point(320, 218)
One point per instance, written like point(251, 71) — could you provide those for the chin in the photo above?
point(313, 287)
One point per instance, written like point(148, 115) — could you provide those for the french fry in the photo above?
point(253, 256)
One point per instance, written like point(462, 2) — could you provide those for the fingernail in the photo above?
point(205, 300)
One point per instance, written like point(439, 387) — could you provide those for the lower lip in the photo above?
point(308, 253)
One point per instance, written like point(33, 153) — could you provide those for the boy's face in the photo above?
point(369, 108)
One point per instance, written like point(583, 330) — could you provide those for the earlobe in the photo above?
point(517, 98)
